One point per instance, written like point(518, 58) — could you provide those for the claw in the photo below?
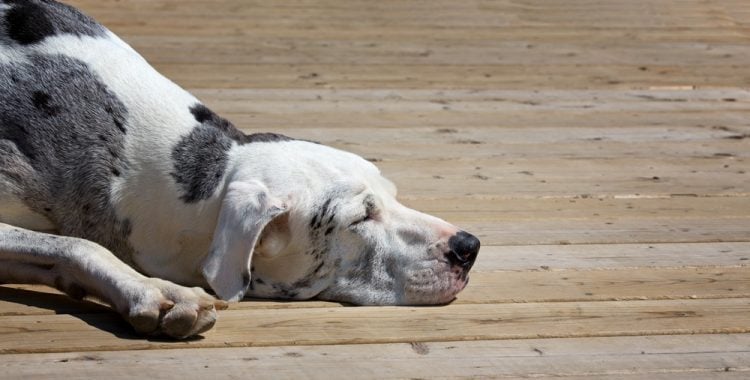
point(166, 305)
point(221, 305)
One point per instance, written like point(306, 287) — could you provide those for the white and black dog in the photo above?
point(118, 184)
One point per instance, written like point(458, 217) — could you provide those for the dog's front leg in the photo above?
point(80, 267)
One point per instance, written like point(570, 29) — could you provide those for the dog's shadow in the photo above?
point(92, 313)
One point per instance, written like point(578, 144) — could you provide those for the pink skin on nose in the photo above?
point(445, 231)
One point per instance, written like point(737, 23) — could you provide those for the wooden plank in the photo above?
point(483, 177)
point(450, 121)
point(485, 287)
point(451, 14)
point(585, 34)
point(590, 220)
point(348, 325)
point(433, 76)
point(612, 256)
point(600, 285)
point(474, 101)
point(587, 220)
point(661, 357)
point(345, 49)
point(683, 206)
point(628, 231)
point(508, 108)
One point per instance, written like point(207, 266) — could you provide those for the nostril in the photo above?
point(458, 257)
point(464, 248)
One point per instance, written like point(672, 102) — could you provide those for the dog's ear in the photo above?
point(247, 208)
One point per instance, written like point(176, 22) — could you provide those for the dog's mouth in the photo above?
point(435, 286)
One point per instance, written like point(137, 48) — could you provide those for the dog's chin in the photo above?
point(435, 289)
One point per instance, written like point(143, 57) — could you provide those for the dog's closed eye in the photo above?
point(371, 211)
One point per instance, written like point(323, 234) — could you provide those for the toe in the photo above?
point(179, 321)
point(144, 321)
point(206, 320)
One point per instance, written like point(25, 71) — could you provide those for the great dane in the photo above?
point(115, 183)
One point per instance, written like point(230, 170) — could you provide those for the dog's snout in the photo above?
point(464, 248)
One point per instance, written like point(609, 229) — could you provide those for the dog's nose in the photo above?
point(464, 248)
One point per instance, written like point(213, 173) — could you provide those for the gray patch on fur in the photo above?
point(200, 157)
point(61, 144)
point(31, 21)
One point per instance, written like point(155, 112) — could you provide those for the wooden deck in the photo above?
point(600, 150)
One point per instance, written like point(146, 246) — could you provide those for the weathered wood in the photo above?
point(661, 357)
point(593, 176)
point(515, 111)
point(347, 325)
point(371, 51)
point(677, 206)
point(640, 283)
point(534, 124)
point(612, 256)
point(546, 232)
point(436, 76)
point(587, 219)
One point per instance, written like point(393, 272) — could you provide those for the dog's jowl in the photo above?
point(116, 183)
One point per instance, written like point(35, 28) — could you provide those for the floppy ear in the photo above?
point(247, 208)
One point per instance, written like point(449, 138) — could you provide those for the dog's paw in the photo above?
point(164, 308)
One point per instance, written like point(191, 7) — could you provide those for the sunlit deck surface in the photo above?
point(599, 149)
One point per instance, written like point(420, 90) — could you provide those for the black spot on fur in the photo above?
point(317, 220)
point(116, 119)
point(324, 208)
point(59, 146)
point(314, 220)
point(41, 101)
point(205, 116)
point(27, 23)
point(265, 137)
point(202, 113)
point(31, 21)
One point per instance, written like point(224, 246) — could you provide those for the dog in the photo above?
point(115, 183)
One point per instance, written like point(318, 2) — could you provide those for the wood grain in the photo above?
point(653, 357)
point(598, 148)
point(325, 326)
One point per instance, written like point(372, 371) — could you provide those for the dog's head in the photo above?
point(327, 225)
